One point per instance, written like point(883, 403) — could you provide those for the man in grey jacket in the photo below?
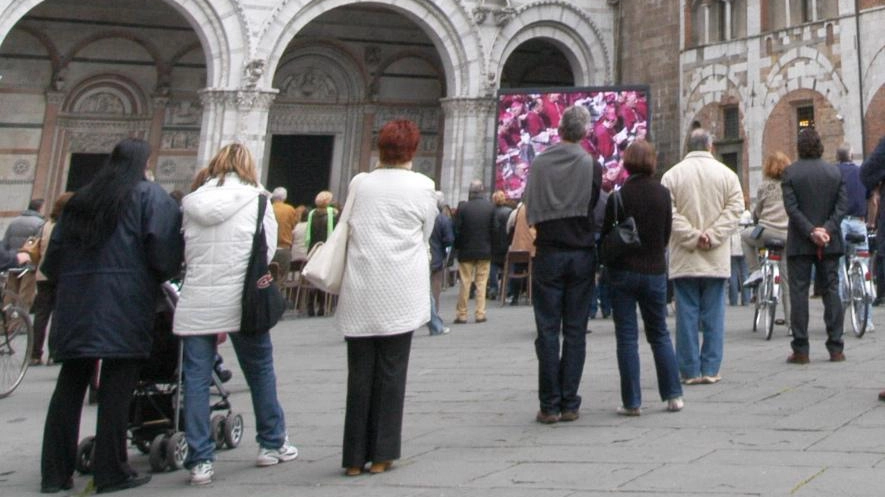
point(562, 189)
point(26, 224)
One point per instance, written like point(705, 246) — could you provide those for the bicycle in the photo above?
point(858, 291)
point(767, 291)
point(16, 343)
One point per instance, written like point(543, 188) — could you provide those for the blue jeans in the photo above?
point(601, 299)
point(739, 274)
point(700, 306)
point(562, 281)
point(649, 291)
point(855, 226)
point(255, 355)
point(435, 325)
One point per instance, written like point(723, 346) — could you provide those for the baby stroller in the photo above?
point(156, 427)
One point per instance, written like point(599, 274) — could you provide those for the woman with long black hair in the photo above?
point(117, 240)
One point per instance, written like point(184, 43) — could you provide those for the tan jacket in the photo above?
point(707, 198)
point(523, 234)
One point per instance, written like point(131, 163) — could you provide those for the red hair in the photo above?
point(398, 141)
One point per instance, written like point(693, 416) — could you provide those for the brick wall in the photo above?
point(781, 128)
point(650, 55)
point(875, 121)
point(868, 4)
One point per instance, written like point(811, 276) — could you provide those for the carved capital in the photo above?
point(56, 98)
point(457, 106)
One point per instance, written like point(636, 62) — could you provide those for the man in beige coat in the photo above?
point(707, 204)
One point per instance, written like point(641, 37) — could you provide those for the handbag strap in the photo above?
point(262, 208)
point(618, 208)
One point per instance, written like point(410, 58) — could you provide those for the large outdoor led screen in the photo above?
point(527, 122)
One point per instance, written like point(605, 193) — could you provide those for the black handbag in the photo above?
point(623, 237)
point(263, 303)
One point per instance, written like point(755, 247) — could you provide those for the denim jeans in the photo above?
point(649, 291)
point(700, 307)
point(435, 325)
point(601, 296)
point(562, 281)
point(739, 273)
point(255, 355)
point(855, 226)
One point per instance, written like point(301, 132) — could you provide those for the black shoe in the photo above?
point(131, 482)
point(54, 489)
point(224, 374)
point(877, 302)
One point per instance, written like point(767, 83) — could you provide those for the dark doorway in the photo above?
point(83, 169)
point(302, 164)
point(537, 64)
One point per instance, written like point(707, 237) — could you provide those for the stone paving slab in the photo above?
point(768, 429)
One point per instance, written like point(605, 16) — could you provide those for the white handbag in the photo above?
point(325, 268)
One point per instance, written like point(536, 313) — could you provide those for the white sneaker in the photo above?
point(202, 473)
point(269, 457)
point(675, 404)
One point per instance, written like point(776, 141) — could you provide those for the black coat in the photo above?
point(474, 230)
point(814, 195)
point(106, 298)
point(500, 240)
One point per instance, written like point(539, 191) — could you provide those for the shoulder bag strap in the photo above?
point(307, 231)
point(330, 221)
point(262, 208)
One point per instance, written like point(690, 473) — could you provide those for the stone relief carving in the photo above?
point(311, 84)
point(427, 118)
point(501, 11)
point(180, 140)
point(95, 143)
point(21, 167)
point(101, 103)
point(253, 72)
point(183, 113)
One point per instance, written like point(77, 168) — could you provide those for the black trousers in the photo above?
point(117, 381)
point(44, 302)
point(376, 389)
point(799, 273)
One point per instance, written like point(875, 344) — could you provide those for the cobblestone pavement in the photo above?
point(768, 428)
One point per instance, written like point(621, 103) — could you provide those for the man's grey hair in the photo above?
point(440, 199)
point(700, 140)
point(476, 186)
point(843, 153)
point(279, 193)
point(574, 122)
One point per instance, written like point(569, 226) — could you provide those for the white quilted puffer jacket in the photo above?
point(219, 223)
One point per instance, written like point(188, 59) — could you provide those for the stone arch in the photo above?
point(152, 50)
point(874, 77)
point(824, 78)
point(347, 77)
point(781, 127)
point(222, 35)
point(445, 22)
point(588, 55)
point(106, 94)
point(874, 120)
point(713, 84)
point(52, 51)
point(405, 54)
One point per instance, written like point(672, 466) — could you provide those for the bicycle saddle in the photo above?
point(774, 244)
point(855, 238)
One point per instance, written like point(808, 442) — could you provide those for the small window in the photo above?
point(731, 116)
point(730, 160)
point(805, 117)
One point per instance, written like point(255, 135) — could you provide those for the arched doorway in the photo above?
point(83, 75)
point(345, 74)
point(537, 63)
point(797, 109)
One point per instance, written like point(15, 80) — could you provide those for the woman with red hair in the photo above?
point(384, 295)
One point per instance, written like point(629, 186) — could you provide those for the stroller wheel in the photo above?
point(217, 426)
point(233, 430)
point(142, 445)
point(157, 457)
point(176, 451)
point(85, 455)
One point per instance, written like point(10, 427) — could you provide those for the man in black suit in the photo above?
point(815, 200)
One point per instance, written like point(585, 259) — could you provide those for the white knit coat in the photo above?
point(386, 286)
point(219, 223)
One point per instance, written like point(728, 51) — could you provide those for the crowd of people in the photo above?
point(106, 249)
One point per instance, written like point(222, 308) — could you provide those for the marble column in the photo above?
point(235, 116)
point(43, 187)
point(155, 135)
point(468, 145)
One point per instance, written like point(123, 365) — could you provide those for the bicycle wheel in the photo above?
point(16, 343)
point(773, 299)
point(857, 300)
